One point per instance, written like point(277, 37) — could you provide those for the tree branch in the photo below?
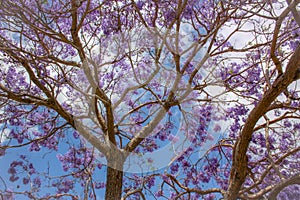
point(292, 180)
point(239, 165)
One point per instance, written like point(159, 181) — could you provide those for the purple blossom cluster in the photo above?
point(61, 60)
point(35, 127)
point(76, 159)
point(15, 80)
point(238, 114)
point(64, 185)
point(291, 192)
point(246, 81)
point(17, 169)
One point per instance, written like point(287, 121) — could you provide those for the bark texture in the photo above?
point(114, 181)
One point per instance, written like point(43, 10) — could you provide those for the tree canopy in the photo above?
point(150, 99)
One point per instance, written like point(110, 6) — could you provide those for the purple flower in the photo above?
point(99, 166)
point(12, 170)
point(100, 185)
point(34, 147)
point(25, 181)
point(217, 128)
point(297, 126)
point(150, 182)
point(37, 182)
point(159, 193)
point(287, 123)
point(174, 168)
point(140, 5)
point(75, 134)
point(13, 178)
point(16, 163)
point(185, 164)
point(2, 152)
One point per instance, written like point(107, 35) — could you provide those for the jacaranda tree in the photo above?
point(150, 99)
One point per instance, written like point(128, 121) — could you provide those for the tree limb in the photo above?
point(239, 164)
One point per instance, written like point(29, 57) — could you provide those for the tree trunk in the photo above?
point(114, 181)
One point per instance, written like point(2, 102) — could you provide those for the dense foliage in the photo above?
point(149, 99)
